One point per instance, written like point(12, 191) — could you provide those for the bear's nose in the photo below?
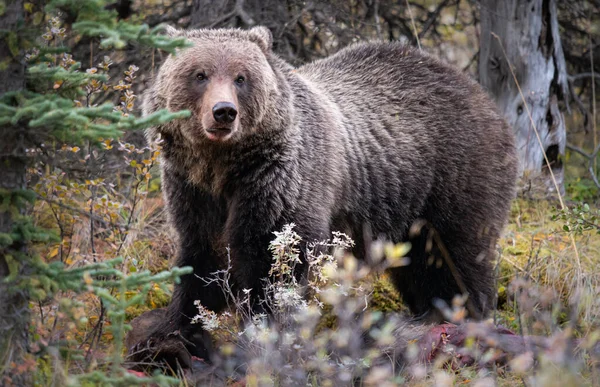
point(224, 112)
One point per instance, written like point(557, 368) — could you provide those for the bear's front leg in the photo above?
point(198, 218)
point(245, 227)
point(248, 232)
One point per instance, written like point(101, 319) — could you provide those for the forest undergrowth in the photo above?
point(542, 292)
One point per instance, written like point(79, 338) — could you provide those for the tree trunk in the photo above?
point(273, 14)
point(14, 309)
point(239, 13)
point(528, 33)
point(208, 13)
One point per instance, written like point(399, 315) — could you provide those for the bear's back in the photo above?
point(398, 95)
point(417, 131)
point(393, 79)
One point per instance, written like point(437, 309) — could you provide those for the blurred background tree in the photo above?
point(14, 307)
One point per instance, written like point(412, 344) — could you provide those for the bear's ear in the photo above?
point(172, 31)
point(261, 36)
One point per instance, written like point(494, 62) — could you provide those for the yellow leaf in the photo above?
point(38, 18)
point(53, 253)
point(395, 251)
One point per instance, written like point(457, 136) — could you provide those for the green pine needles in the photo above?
point(63, 117)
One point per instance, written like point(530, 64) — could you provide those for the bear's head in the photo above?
point(224, 78)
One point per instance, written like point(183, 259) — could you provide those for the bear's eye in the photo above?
point(240, 80)
point(201, 77)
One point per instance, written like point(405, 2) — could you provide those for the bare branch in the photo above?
point(593, 75)
point(87, 214)
point(591, 158)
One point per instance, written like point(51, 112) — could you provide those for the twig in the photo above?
point(168, 17)
point(41, 312)
point(594, 167)
point(514, 264)
point(61, 230)
point(412, 20)
point(238, 10)
point(473, 59)
point(135, 201)
point(591, 158)
point(432, 17)
point(579, 76)
point(220, 20)
point(434, 236)
point(580, 105)
point(87, 214)
point(496, 283)
point(376, 17)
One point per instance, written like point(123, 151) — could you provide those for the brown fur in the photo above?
point(370, 141)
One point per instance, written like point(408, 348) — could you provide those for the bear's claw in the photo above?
point(167, 351)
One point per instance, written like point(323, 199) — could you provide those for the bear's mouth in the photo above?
point(218, 133)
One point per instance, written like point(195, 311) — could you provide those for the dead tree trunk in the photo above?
point(527, 31)
point(14, 308)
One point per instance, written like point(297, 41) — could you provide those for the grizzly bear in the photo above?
point(373, 140)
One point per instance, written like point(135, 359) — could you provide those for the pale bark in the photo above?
point(528, 32)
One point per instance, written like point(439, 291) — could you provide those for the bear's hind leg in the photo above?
point(443, 266)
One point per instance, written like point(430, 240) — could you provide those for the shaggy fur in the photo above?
point(371, 141)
